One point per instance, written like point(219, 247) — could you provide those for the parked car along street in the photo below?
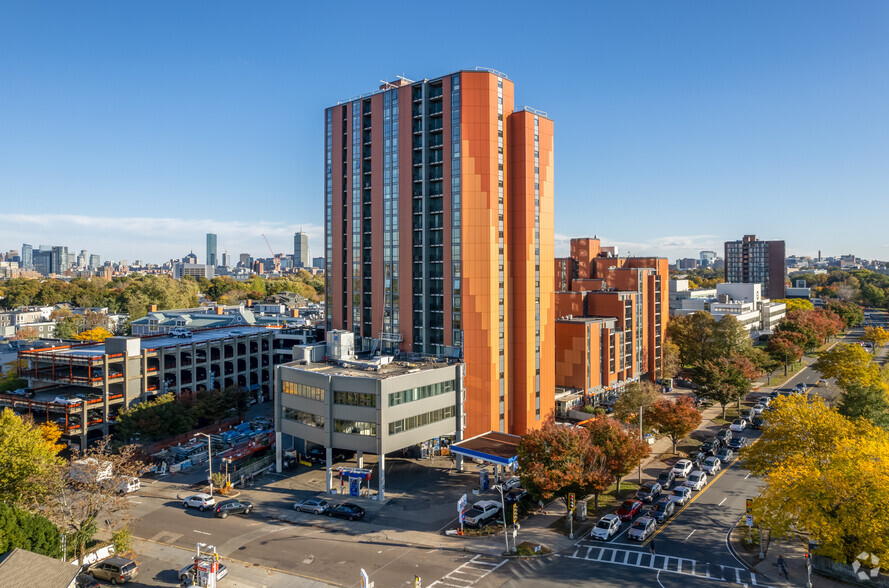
point(199, 501)
point(315, 505)
point(648, 492)
point(696, 480)
point(347, 510)
point(662, 509)
point(680, 495)
point(642, 528)
point(681, 468)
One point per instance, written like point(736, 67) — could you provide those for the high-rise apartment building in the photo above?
point(759, 262)
point(211, 250)
point(439, 235)
point(60, 262)
point(27, 257)
point(300, 250)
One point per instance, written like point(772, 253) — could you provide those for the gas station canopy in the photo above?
point(497, 448)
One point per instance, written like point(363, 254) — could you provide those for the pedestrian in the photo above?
point(651, 547)
point(782, 567)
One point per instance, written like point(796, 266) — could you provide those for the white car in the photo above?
point(765, 401)
point(682, 468)
point(696, 480)
point(199, 501)
point(606, 527)
point(180, 333)
point(711, 465)
point(65, 400)
point(738, 425)
point(680, 495)
point(126, 484)
point(512, 483)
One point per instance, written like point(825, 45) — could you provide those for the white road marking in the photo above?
point(747, 476)
point(476, 568)
point(690, 534)
point(201, 532)
point(721, 501)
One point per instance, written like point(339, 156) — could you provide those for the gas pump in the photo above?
point(206, 565)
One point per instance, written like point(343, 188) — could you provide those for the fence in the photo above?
point(254, 469)
point(846, 573)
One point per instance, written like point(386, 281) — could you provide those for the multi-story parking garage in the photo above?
point(91, 383)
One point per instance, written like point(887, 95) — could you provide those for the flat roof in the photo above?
point(395, 368)
point(587, 319)
point(499, 448)
point(157, 341)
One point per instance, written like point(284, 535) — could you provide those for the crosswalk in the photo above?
point(470, 572)
point(666, 563)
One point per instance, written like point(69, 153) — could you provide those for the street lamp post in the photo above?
point(209, 459)
point(503, 510)
point(641, 438)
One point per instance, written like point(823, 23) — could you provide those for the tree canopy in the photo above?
point(621, 448)
point(22, 529)
point(28, 456)
point(849, 364)
point(675, 418)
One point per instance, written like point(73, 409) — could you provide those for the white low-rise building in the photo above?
point(743, 301)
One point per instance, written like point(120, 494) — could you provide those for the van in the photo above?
point(125, 485)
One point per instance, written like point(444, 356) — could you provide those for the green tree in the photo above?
point(850, 313)
point(68, 327)
point(693, 334)
point(19, 528)
point(671, 362)
point(154, 419)
point(725, 380)
point(637, 395)
point(555, 461)
point(28, 456)
point(865, 402)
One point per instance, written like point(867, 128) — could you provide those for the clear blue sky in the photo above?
point(132, 128)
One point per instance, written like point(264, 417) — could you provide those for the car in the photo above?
point(648, 492)
point(481, 513)
point(347, 510)
point(681, 468)
point(774, 394)
point(116, 570)
point(680, 495)
point(512, 483)
point(696, 480)
point(757, 422)
point(662, 510)
point(822, 381)
point(66, 401)
point(629, 509)
point(315, 505)
point(606, 527)
point(711, 447)
point(756, 410)
point(515, 495)
point(642, 528)
point(711, 465)
point(227, 507)
point(86, 581)
point(181, 333)
point(187, 572)
point(697, 458)
point(737, 443)
point(127, 484)
point(666, 479)
point(199, 501)
point(319, 455)
point(738, 425)
point(725, 454)
point(765, 400)
point(724, 435)
point(746, 414)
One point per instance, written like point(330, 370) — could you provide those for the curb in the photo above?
point(738, 558)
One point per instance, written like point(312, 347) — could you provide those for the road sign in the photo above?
point(461, 504)
point(417, 582)
point(750, 506)
point(749, 520)
point(571, 501)
point(515, 513)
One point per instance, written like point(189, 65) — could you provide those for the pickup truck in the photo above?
point(481, 513)
point(182, 333)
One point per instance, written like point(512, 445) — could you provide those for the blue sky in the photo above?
point(132, 128)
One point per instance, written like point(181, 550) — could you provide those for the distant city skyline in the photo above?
point(142, 127)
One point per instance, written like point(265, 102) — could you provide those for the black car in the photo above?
point(737, 443)
point(515, 495)
point(666, 478)
point(227, 507)
point(86, 581)
point(319, 455)
point(756, 422)
point(346, 510)
point(711, 447)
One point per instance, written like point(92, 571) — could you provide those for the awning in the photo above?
point(497, 448)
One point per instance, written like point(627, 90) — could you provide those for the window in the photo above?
point(304, 390)
point(396, 398)
point(355, 399)
point(355, 427)
point(304, 418)
point(421, 420)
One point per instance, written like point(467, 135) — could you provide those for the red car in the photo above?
point(629, 509)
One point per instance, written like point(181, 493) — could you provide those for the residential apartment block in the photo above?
point(750, 261)
point(611, 318)
point(439, 236)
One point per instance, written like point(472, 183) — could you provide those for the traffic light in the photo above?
point(749, 506)
point(571, 501)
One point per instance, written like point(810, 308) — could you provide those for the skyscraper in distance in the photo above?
point(439, 235)
point(300, 250)
point(211, 249)
point(759, 262)
point(27, 257)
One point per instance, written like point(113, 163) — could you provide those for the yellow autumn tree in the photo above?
point(876, 335)
point(29, 456)
point(97, 334)
point(826, 476)
point(849, 365)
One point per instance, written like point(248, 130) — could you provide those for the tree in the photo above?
point(783, 347)
point(555, 461)
point(671, 363)
point(28, 455)
point(877, 336)
point(725, 380)
point(80, 498)
point(98, 334)
point(676, 419)
point(621, 448)
point(693, 334)
point(850, 313)
point(848, 365)
point(764, 362)
point(155, 419)
point(635, 395)
point(22, 529)
point(730, 338)
point(795, 303)
point(824, 475)
point(68, 327)
point(865, 402)
point(26, 334)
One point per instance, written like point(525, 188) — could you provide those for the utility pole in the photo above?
point(641, 438)
point(209, 459)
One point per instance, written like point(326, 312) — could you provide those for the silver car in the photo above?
point(187, 573)
point(642, 528)
point(199, 501)
point(315, 505)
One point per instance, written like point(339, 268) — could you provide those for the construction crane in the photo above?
point(276, 256)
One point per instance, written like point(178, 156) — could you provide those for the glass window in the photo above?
point(304, 390)
point(355, 399)
point(427, 418)
point(304, 418)
point(355, 427)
